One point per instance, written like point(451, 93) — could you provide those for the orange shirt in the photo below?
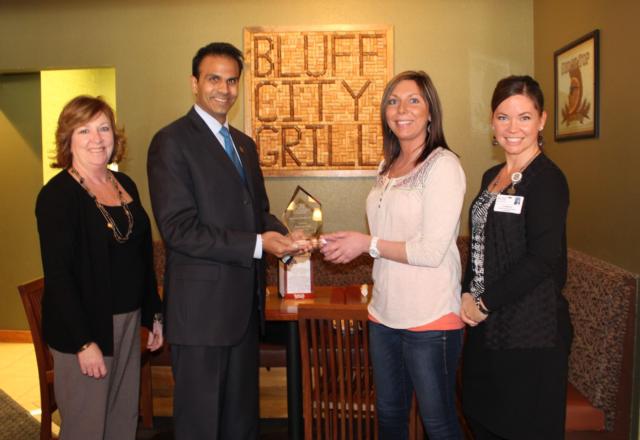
point(450, 321)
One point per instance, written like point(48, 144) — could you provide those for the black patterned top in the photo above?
point(479, 212)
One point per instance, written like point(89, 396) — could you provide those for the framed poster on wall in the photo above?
point(577, 88)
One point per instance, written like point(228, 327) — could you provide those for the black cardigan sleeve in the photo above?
point(57, 213)
point(545, 208)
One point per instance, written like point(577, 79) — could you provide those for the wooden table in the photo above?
point(278, 309)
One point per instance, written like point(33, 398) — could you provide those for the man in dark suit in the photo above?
point(210, 204)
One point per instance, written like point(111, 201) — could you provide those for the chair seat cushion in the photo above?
point(581, 415)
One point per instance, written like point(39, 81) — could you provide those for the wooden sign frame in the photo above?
point(312, 97)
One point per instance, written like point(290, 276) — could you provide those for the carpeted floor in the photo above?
point(270, 429)
point(16, 422)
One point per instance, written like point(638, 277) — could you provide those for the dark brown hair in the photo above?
point(518, 85)
point(435, 133)
point(76, 113)
point(216, 49)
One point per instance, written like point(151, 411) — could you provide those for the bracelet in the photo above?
point(158, 318)
point(85, 346)
point(479, 305)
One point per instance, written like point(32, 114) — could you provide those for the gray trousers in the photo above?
point(107, 408)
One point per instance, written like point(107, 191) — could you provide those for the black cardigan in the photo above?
point(525, 263)
point(77, 303)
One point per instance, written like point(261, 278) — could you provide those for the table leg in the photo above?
point(294, 382)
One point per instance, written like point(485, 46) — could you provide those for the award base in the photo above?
point(295, 279)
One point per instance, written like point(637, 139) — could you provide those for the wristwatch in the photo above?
point(373, 248)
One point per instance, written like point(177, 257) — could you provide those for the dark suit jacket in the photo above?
point(208, 219)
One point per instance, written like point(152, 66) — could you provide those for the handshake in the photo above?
point(338, 247)
point(286, 246)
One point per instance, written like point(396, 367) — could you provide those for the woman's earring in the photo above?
point(494, 142)
point(540, 139)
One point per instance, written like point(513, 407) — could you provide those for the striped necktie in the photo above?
point(231, 152)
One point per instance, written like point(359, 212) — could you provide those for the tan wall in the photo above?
point(465, 45)
point(603, 173)
point(20, 181)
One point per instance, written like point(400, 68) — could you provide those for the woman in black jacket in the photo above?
point(95, 241)
point(515, 359)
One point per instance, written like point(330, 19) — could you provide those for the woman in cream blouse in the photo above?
point(414, 217)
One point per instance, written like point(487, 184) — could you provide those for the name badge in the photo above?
point(510, 204)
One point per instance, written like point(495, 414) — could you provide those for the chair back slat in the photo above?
point(338, 390)
point(348, 384)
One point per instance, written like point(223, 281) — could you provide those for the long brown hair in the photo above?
point(435, 133)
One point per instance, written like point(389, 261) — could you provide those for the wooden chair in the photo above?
point(338, 390)
point(31, 295)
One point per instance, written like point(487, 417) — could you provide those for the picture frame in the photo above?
point(576, 87)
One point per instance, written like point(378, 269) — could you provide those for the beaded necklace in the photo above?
point(111, 224)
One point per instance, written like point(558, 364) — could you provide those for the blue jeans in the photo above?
point(404, 361)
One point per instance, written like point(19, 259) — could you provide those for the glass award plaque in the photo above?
point(304, 212)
